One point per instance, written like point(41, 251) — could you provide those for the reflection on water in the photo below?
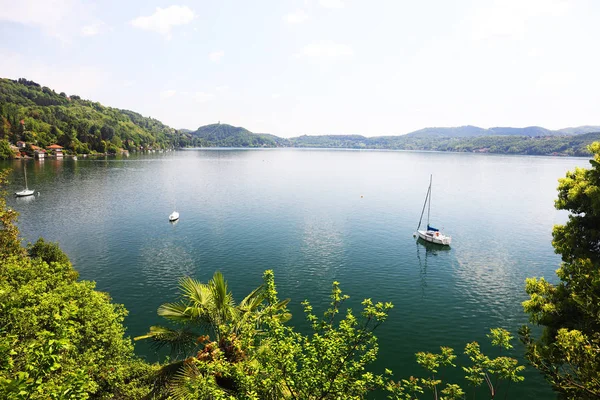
point(25, 199)
point(425, 250)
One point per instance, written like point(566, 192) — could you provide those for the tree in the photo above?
point(568, 352)
point(492, 372)
point(277, 362)
point(10, 243)
point(5, 150)
point(59, 337)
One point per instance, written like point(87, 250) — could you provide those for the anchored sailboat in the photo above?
point(26, 191)
point(432, 234)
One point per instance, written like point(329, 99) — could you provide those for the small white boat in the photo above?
point(26, 191)
point(431, 234)
point(174, 216)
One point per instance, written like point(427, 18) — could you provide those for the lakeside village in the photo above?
point(27, 150)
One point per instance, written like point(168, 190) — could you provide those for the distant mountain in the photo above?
point(474, 131)
point(530, 131)
point(580, 130)
point(461, 131)
point(223, 135)
point(500, 140)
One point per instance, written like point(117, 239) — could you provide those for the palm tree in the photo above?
point(211, 308)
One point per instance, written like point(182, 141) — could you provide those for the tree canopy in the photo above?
point(568, 352)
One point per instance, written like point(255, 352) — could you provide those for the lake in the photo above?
point(313, 216)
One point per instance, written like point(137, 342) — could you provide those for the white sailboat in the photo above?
point(26, 191)
point(174, 216)
point(431, 234)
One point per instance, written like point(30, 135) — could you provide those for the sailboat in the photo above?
point(432, 235)
point(26, 191)
point(174, 216)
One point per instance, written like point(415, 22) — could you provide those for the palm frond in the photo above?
point(179, 312)
point(195, 292)
point(179, 387)
point(180, 341)
point(253, 300)
point(224, 306)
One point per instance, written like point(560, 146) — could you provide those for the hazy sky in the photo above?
point(316, 66)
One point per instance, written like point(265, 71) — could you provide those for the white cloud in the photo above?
point(216, 56)
point(93, 29)
point(165, 94)
point(331, 3)
point(296, 17)
point(326, 50)
point(275, 96)
point(222, 88)
point(203, 97)
point(164, 19)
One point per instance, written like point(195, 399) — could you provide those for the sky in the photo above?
point(295, 67)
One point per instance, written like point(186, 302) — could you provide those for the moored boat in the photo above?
point(174, 216)
point(26, 191)
point(431, 234)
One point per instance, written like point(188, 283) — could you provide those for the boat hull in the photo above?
point(435, 237)
point(174, 216)
point(24, 193)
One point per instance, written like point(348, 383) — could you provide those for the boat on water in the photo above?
point(25, 192)
point(431, 234)
point(174, 216)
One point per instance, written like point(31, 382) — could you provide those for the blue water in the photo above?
point(313, 216)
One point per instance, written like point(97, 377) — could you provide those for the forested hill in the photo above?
point(573, 145)
point(38, 115)
point(223, 135)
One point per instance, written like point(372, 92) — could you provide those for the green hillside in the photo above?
point(574, 145)
point(223, 135)
point(38, 115)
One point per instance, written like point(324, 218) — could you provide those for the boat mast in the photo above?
point(424, 204)
point(429, 208)
point(25, 166)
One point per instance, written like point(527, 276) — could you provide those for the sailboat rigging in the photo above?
point(26, 191)
point(431, 234)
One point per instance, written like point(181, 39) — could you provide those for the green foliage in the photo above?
point(10, 243)
point(6, 152)
point(48, 252)
point(59, 338)
point(255, 355)
point(568, 352)
point(482, 369)
point(79, 125)
point(223, 135)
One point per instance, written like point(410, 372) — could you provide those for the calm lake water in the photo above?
point(313, 216)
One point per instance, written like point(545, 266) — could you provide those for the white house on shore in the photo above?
point(56, 149)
